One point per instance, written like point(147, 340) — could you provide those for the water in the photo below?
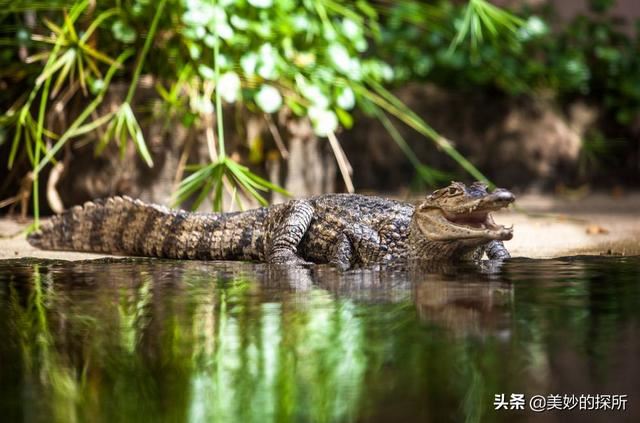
point(152, 340)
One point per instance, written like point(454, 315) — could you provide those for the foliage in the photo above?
point(317, 58)
point(590, 56)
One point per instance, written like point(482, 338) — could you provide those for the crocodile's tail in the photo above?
point(119, 225)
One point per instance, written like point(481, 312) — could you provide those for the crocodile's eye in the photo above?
point(437, 193)
point(453, 190)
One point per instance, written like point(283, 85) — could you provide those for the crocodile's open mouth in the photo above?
point(462, 213)
point(479, 216)
point(477, 219)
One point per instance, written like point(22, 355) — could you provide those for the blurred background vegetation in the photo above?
point(121, 78)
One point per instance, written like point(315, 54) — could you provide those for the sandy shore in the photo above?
point(545, 227)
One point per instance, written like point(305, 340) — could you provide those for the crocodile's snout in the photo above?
point(503, 195)
point(496, 200)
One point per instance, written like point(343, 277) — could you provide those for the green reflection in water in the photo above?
point(249, 368)
point(148, 340)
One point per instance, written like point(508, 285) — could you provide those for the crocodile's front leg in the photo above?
point(291, 224)
point(342, 254)
point(497, 251)
point(359, 244)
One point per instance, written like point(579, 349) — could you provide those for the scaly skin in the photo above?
point(344, 230)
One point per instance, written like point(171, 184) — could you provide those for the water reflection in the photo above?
point(197, 341)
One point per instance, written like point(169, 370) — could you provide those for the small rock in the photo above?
point(596, 229)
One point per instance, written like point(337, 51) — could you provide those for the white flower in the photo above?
point(218, 23)
point(324, 121)
point(328, 33)
point(534, 27)
point(210, 40)
point(360, 44)
point(200, 32)
point(239, 23)
point(219, 15)
point(268, 70)
point(266, 52)
point(223, 62)
point(351, 29)
point(201, 105)
point(387, 72)
point(262, 4)
point(346, 99)
point(195, 51)
point(300, 22)
point(224, 30)
point(268, 99)
point(355, 69)
point(340, 57)
point(229, 85)
point(311, 92)
point(97, 85)
point(198, 16)
point(193, 4)
point(314, 94)
point(248, 63)
point(267, 67)
point(206, 72)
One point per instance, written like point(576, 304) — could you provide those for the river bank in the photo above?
point(545, 226)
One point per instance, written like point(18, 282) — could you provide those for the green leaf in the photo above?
point(70, 60)
point(206, 72)
point(206, 189)
point(50, 70)
point(296, 107)
point(91, 126)
point(241, 179)
point(135, 132)
point(97, 55)
point(123, 32)
point(14, 145)
point(84, 114)
point(345, 118)
point(267, 184)
point(95, 23)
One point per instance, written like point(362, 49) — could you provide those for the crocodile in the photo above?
point(343, 230)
